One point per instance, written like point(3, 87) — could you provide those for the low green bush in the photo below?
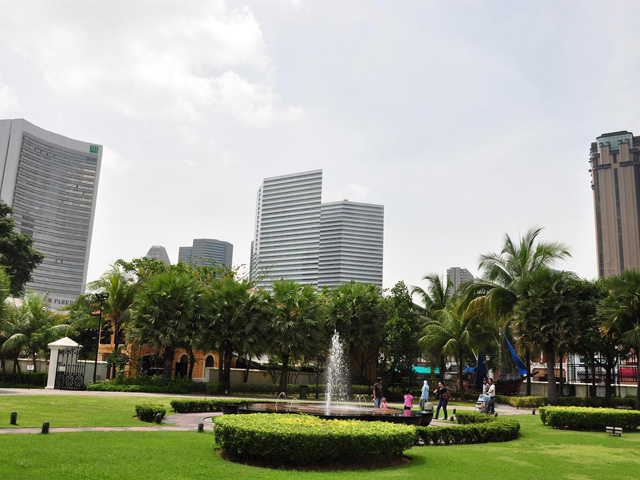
point(147, 411)
point(491, 429)
point(303, 440)
point(14, 380)
point(464, 417)
point(176, 387)
point(202, 405)
point(585, 418)
point(522, 402)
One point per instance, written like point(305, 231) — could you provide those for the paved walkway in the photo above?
point(186, 421)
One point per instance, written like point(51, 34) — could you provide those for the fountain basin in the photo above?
point(344, 412)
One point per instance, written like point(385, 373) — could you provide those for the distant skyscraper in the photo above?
point(351, 243)
point(457, 276)
point(615, 181)
point(207, 252)
point(51, 182)
point(299, 238)
point(159, 253)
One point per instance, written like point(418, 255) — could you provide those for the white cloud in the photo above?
point(8, 100)
point(112, 161)
point(178, 61)
point(357, 192)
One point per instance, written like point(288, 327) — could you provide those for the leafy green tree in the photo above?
point(167, 314)
point(16, 252)
point(620, 310)
point(236, 320)
point(355, 311)
point(547, 317)
point(294, 328)
point(116, 308)
point(495, 295)
point(33, 327)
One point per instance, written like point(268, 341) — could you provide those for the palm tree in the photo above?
point(354, 310)
point(236, 321)
point(621, 312)
point(455, 330)
point(294, 327)
point(33, 327)
point(117, 308)
point(4, 293)
point(167, 312)
point(547, 316)
point(494, 295)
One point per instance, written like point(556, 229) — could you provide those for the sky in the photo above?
point(466, 120)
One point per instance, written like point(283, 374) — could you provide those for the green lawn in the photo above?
point(74, 410)
point(541, 452)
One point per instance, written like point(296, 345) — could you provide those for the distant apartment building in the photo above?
point(207, 252)
point(158, 252)
point(457, 276)
point(615, 181)
point(51, 182)
point(299, 238)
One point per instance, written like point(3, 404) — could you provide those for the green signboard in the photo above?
point(93, 148)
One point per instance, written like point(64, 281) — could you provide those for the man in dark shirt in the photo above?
point(377, 393)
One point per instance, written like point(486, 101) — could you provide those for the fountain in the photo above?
point(337, 391)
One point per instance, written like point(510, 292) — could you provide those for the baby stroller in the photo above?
point(482, 404)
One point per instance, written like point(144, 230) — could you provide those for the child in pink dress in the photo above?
point(384, 403)
point(408, 402)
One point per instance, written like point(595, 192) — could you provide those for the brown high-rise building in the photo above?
point(615, 181)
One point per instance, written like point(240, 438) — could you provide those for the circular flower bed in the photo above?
point(303, 440)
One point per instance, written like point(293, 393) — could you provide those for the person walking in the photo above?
point(424, 397)
point(443, 395)
point(491, 391)
point(485, 386)
point(377, 393)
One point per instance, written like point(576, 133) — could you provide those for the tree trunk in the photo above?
point(527, 354)
point(192, 363)
point(284, 374)
point(221, 364)
point(246, 372)
point(228, 358)
point(442, 368)
point(168, 365)
point(638, 377)
point(560, 394)
point(35, 363)
point(116, 344)
point(461, 360)
point(552, 388)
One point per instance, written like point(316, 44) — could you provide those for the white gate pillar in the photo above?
point(65, 342)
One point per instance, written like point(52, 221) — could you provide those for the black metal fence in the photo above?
point(624, 372)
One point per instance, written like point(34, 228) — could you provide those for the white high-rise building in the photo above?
point(51, 182)
point(158, 252)
point(299, 238)
point(457, 276)
point(351, 243)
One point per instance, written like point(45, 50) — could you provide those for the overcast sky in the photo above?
point(466, 120)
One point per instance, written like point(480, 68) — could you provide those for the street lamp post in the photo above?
point(101, 297)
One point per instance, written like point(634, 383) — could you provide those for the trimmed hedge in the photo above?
point(473, 428)
point(203, 405)
point(304, 440)
point(585, 418)
point(147, 411)
point(13, 380)
point(535, 402)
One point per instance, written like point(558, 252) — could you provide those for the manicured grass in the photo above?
point(74, 410)
point(541, 453)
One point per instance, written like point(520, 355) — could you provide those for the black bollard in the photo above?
point(14, 418)
point(158, 417)
point(454, 411)
point(201, 427)
point(45, 428)
point(533, 412)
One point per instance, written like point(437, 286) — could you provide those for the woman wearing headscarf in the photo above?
point(424, 398)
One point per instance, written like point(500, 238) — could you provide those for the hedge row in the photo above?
point(535, 402)
point(467, 417)
point(303, 440)
point(203, 405)
point(584, 418)
point(109, 386)
point(486, 429)
point(147, 411)
point(38, 379)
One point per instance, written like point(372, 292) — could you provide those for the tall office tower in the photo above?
point(287, 229)
point(457, 276)
point(51, 182)
point(351, 243)
point(615, 181)
point(299, 238)
point(159, 253)
point(207, 252)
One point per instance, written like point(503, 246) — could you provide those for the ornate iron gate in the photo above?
point(70, 372)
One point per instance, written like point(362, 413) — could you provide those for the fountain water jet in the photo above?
point(337, 389)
